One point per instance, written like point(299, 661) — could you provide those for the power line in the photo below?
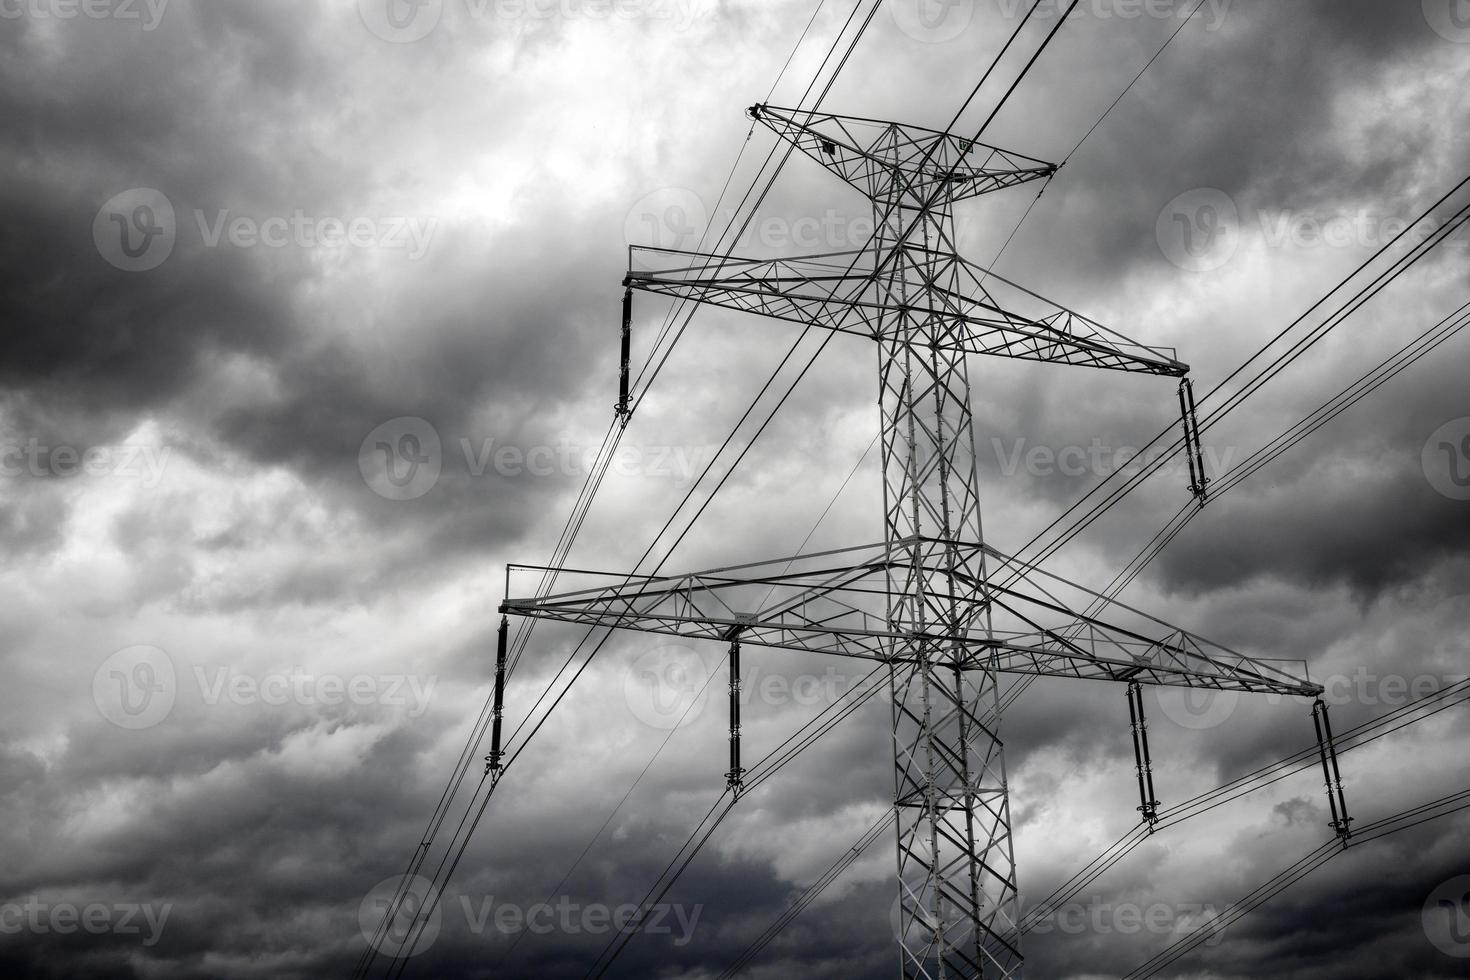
point(436, 821)
point(1401, 821)
point(1359, 389)
point(1390, 722)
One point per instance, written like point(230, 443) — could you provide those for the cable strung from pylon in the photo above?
point(1381, 281)
point(810, 894)
point(1366, 384)
point(1302, 345)
point(1028, 65)
point(1390, 722)
point(437, 820)
point(1025, 70)
point(1369, 382)
point(1401, 821)
point(1355, 392)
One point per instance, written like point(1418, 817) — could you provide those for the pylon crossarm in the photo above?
point(835, 603)
point(873, 154)
point(834, 290)
point(839, 291)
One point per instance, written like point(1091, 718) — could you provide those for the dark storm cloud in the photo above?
point(265, 830)
point(1248, 108)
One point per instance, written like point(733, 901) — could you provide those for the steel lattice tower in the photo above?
point(946, 612)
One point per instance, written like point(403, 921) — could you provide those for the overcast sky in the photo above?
point(245, 245)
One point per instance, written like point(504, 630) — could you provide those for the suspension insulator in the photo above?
point(1331, 775)
point(735, 778)
point(492, 761)
point(623, 409)
point(1198, 482)
point(1148, 806)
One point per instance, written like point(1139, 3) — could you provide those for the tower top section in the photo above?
point(888, 160)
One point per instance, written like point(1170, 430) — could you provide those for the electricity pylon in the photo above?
point(944, 610)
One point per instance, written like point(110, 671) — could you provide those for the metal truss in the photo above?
point(981, 313)
point(835, 602)
point(876, 156)
point(947, 613)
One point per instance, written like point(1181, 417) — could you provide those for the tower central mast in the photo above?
point(930, 600)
